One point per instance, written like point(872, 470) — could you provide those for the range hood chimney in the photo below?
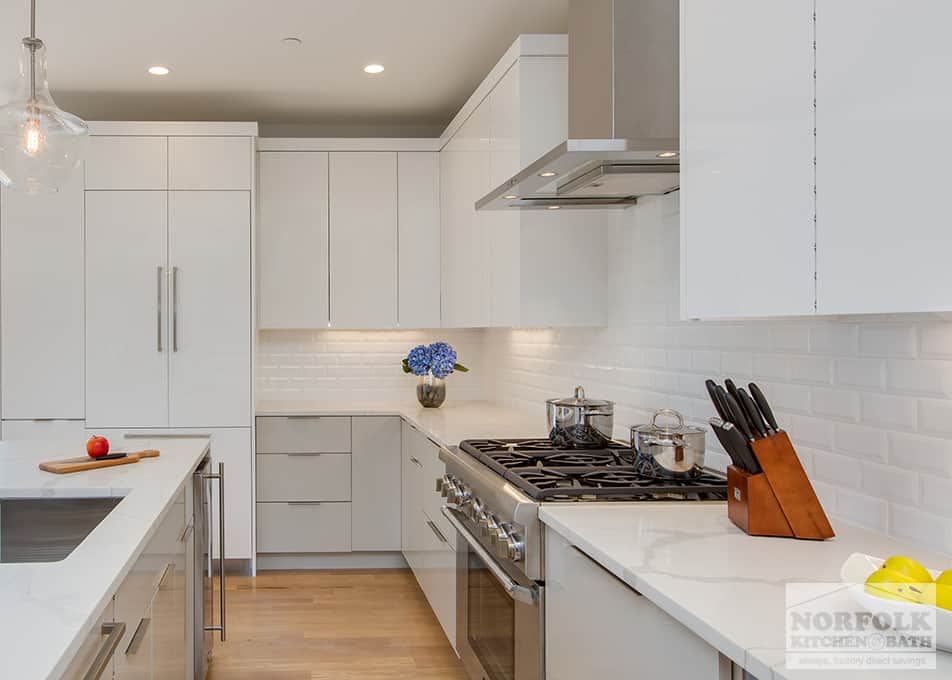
point(623, 112)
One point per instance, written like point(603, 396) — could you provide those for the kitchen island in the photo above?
point(50, 608)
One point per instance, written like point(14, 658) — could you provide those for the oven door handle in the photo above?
point(517, 592)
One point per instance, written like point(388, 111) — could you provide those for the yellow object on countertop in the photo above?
point(903, 579)
point(943, 593)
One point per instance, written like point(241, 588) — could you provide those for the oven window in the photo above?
point(491, 627)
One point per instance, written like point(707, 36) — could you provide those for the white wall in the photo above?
point(867, 400)
point(359, 365)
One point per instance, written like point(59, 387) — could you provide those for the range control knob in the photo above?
point(473, 509)
point(515, 549)
point(464, 495)
point(500, 540)
point(487, 524)
point(443, 483)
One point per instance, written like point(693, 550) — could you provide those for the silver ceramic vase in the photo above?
point(431, 391)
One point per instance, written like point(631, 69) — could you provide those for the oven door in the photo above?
point(499, 614)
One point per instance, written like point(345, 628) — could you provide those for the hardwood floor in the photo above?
point(332, 625)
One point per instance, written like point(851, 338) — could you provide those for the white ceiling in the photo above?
point(229, 63)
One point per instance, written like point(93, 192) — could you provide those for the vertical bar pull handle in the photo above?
point(158, 309)
point(220, 477)
point(175, 309)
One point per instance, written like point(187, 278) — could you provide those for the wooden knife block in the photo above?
point(780, 501)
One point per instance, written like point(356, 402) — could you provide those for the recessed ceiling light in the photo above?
point(553, 207)
point(510, 197)
point(159, 70)
point(548, 173)
point(291, 41)
point(374, 68)
point(668, 154)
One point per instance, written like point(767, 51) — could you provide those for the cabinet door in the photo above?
point(596, 625)
point(883, 141)
point(375, 519)
point(41, 299)
point(412, 514)
point(436, 574)
point(62, 430)
point(127, 163)
point(210, 163)
point(293, 240)
point(419, 239)
point(126, 326)
point(363, 227)
point(747, 174)
point(210, 302)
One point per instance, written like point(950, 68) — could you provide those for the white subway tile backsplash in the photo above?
point(926, 454)
point(921, 527)
point(834, 339)
point(790, 338)
point(889, 411)
point(771, 366)
point(865, 442)
point(841, 471)
point(839, 404)
point(893, 340)
point(885, 482)
point(922, 377)
point(935, 340)
point(861, 373)
point(810, 369)
point(935, 417)
point(861, 509)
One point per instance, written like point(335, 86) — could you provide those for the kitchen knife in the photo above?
point(728, 443)
point(736, 412)
point(741, 447)
point(761, 401)
point(753, 415)
point(732, 389)
point(718, 406)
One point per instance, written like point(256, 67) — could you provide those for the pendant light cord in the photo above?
point(33, 19)
point(33, 50)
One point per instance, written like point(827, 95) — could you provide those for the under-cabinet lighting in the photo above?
point(374, 68)
point(668, 154)
point(159, 70)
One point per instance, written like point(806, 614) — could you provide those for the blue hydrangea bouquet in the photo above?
point(432, 363)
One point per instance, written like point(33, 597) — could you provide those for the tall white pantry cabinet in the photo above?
point(127, 298)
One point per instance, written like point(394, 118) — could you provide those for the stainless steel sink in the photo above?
point(48, 529)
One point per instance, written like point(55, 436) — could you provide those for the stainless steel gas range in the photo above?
point(493, 490)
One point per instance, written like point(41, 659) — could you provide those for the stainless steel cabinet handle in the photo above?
point(436, 530)
point(220, 476)
point(113, 633)
point(158, 309)
point(304, 502)
point(302, 454)
point(516, 591)
point(175, 309)
point(187, 532)
point(415, 461)
point(169, 569)
point(138, 636)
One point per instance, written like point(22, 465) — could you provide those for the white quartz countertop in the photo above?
point(726, 586)
point(447, 426)
point(49, 608)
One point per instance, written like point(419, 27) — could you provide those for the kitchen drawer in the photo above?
point(60, 430)
point(436, 573)
point(428, 454)
point(303, 476)
point(127, 163)
point(303, 434)
point(303, 527)
point(90, 647)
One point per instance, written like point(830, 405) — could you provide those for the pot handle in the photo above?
point(668, 412)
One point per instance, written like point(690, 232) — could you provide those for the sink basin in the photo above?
point(48, 529)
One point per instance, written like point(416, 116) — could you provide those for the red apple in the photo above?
point(97, 446)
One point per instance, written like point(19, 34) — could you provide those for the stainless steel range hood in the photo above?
point(623, 112)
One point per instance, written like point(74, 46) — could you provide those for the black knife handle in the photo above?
point(764, 406)
point(732, 389)
point(753, 415)
point(729, 443)
point(736, 413)
point(718, 406)
point(741, 446)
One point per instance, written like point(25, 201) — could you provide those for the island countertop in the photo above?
point(49, 608)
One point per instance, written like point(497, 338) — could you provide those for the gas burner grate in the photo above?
point(552, 474)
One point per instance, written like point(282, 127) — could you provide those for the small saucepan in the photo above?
point(674, 451)
point(578, 422)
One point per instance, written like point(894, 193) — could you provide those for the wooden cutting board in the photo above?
point(62, 467)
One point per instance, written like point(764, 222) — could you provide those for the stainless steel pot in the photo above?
point(578, 422)
point(675, 451)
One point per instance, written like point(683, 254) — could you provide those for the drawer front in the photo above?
point(436, 573)
point(303, 477)
point(127, 163)
point(303, 527)
point(311, 434)
point(90, 647)
point(45, 429)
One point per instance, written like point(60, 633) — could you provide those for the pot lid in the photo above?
point(669, 429)
point(579, 399)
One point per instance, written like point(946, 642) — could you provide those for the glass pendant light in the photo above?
point(40, 144)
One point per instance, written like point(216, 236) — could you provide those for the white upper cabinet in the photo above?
point(883, 143)
point(42, 303)
point(116, 162)
point(210, 302)
point(127, 324)
point(293, 239)
point(363, 228)
point(418, 208)
point(210, 163)
point(747, 174)
point(507, 268)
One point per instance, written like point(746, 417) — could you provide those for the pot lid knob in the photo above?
point(579, 393)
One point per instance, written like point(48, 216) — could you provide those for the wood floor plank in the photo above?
point(332, 625)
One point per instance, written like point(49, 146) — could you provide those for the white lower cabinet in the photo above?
point(428, 547)
point(304, 527)
point(89, 648)
point(596, 626)
point(375, 519)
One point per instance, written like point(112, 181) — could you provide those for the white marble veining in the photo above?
point(447, 425)
point(726, 586)
point(48, 608)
